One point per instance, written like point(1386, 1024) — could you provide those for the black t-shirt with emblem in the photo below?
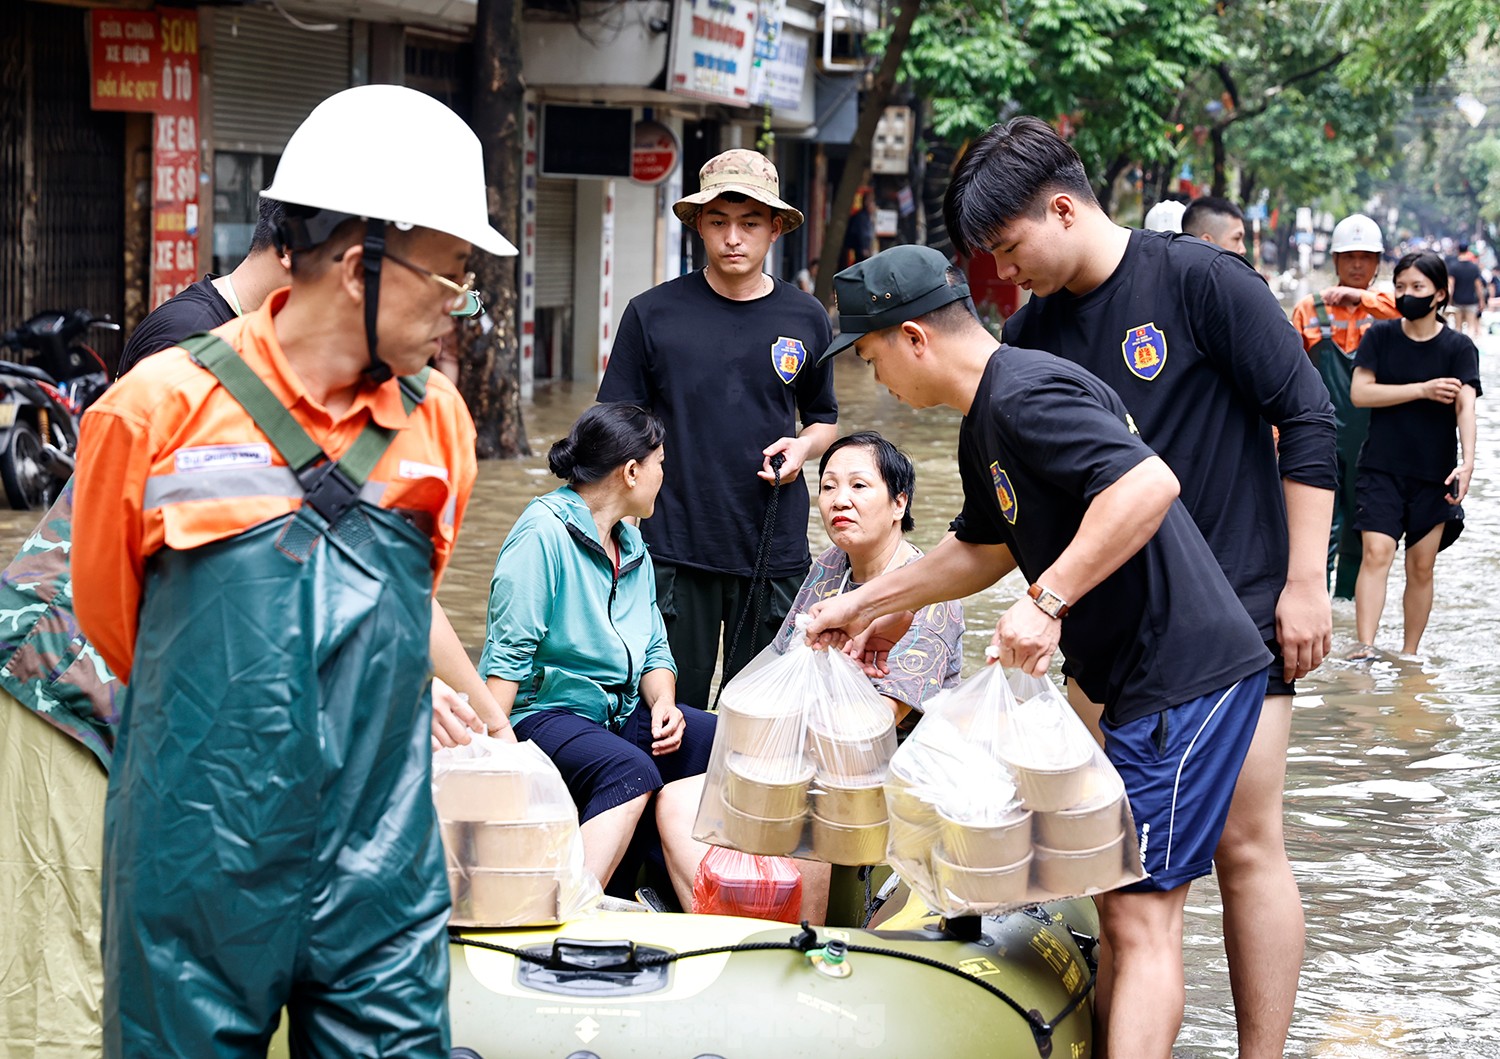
point(728, 378)
point(1042, 439)
point(1198, 348)
point(1415, 438)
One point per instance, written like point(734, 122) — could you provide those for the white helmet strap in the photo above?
point(374, 256)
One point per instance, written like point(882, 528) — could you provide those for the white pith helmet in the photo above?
point(1165, 216)
point(1356, 232)
point(390, 153)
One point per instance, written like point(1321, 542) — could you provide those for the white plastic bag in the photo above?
point(510, 836)
point(1001, 798)
point(799, 760)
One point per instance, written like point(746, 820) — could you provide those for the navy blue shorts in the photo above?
point(604, 769)
point(1180, 768)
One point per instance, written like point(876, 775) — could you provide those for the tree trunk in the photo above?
point(870, 111)
point(1248, 186)
point(1106, 190)
point(1221, 164)
point(489, 363)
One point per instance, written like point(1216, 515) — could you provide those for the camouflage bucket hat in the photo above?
point(747, 172)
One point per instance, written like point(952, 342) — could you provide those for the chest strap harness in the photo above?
point(330, 487)
point(1325, 325)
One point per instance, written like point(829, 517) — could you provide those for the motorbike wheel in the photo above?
point(28, 485)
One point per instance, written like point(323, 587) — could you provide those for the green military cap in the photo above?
point(894, 286)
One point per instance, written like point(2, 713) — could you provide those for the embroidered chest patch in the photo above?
point(787, 357)
point(1004, 492)
point(1145, 350)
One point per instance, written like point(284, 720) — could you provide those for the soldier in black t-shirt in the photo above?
point(1199, 350)
point(214, 300)
point(727, 357)
point(1056, 482)
point(1420, 380)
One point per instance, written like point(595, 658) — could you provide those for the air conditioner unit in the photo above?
point(843, 44)
point(891, 152)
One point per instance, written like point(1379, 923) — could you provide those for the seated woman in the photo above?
point(577, 654)
point(865, 487)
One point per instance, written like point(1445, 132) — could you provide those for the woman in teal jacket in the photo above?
point(577, 653)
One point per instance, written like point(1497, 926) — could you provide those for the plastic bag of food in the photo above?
point(799, 760)
point(510, 836)
point(731, 883)
point(1001, 798)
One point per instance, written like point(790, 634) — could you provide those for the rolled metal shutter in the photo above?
point(556, 208)
point(268, 75)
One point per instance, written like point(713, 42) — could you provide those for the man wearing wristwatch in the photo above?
point(1057, 481)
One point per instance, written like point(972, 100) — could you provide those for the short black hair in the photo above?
point(264, 236)
point(895, 467)
point(1004, 176)
point(1202, 211)
point(605, 437)
point(1430, 265)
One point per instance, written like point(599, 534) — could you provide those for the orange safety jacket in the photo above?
point(168, 459)
point(1349, 322)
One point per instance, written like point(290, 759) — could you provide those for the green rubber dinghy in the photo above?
point(623, 985)
point(630, 985)
point(648, 985)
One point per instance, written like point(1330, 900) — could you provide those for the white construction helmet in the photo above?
point(388, 153)
point(1356, 232)
point(1165, 216)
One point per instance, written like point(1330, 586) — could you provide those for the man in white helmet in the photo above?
point(1331, 322)
point(261, 518)
point(1165, 216)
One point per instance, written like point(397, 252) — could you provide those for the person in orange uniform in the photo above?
point(261, 517)
point(1332, 322)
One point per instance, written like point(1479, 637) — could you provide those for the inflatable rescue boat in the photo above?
point(626, 985)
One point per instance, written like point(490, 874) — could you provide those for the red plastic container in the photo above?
point(731, 883)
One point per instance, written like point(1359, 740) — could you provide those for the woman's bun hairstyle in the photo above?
point(560, 458)
point(605, 437)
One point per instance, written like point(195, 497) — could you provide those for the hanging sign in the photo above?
point(174, 158)
point(655, 154)
point(125, 55)
point(713, 50)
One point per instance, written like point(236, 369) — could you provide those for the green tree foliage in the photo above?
point(1300, 98)
point(1113, 69)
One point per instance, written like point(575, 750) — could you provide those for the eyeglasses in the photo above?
point(465, 301)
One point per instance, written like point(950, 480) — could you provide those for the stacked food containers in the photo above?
point(510, 835)
point(998, 802)
point(799, 761)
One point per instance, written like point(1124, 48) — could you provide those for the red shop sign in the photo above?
point(126, 60)
point(655, 154)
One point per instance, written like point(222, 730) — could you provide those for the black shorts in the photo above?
point(1399, 505)
point(603, 769)
point(1276, 672)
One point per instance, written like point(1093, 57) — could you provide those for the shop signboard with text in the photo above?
point(148, 61)
point(713, 50)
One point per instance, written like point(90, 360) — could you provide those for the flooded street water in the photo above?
point(1393, 810)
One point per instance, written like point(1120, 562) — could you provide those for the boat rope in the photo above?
point(759, 579)
point(804, 942)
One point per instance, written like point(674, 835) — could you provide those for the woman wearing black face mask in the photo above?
point(1420, 379)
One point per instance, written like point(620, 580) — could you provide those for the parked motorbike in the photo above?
point(41, 400)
